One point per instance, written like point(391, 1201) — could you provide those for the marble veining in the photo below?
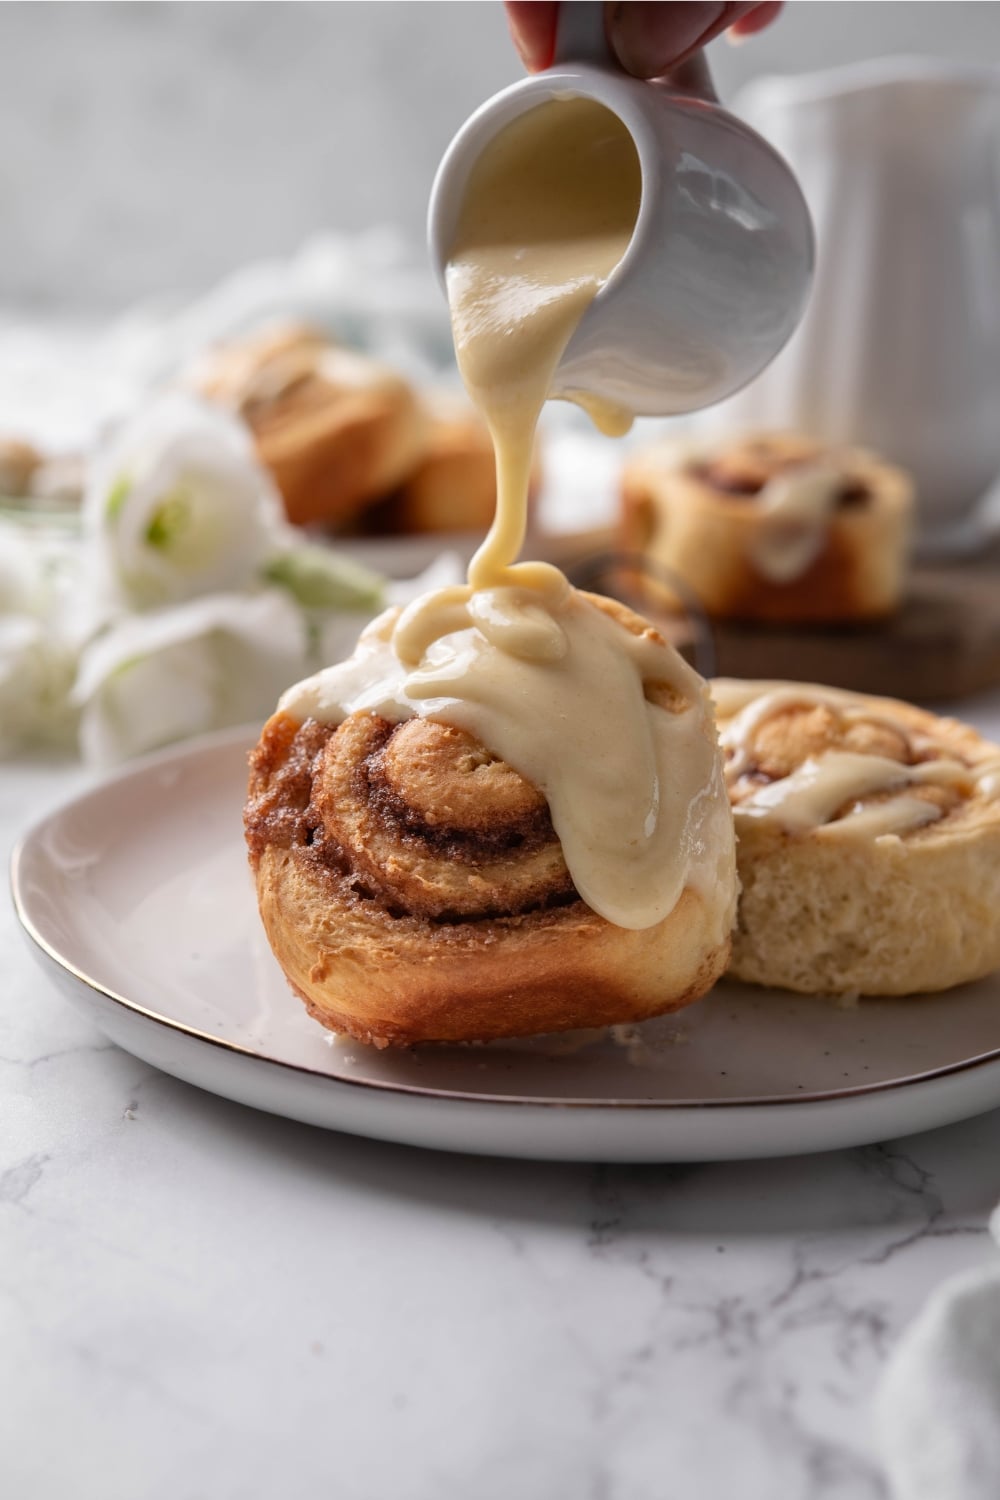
point(200, 1300)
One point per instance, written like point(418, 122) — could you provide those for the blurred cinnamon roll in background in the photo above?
point(453, 487)
point(18, 463)
point(39, 481)
point(337, 429)
point(352, 446)
point(775, 528)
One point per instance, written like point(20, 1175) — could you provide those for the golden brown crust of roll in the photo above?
point(337, 430)
point(392, 980)
point(699, 516)
point(413, 889)
point(897, 915)
point(453, 487)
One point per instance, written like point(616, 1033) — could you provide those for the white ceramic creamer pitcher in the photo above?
point(719, 265)
point(899, 348)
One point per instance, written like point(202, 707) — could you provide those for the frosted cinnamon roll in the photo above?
point(869, 841)
point(775, 527)
point(337, 429)
point(464, 844)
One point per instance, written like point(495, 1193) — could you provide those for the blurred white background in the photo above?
point(154, 147)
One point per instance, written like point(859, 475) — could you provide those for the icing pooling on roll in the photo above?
point(746, 706)
point(988, 777)
point(796, 507)
point(565, 696)
point(828, 790)
point(795, 487)
point(813, 793)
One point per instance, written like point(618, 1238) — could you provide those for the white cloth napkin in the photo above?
point(938, 1407)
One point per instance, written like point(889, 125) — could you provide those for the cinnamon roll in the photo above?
point(453, 487)
point(868, 837)
point(416, 887)
point(19, 461)
point(337, 429)
point(776, 528)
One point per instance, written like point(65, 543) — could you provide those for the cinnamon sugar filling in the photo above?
point(416, 817)
point(742, 481)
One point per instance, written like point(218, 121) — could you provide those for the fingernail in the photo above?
point(533, 56)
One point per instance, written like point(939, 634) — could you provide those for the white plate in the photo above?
point(138, 900)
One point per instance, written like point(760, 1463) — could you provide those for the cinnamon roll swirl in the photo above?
point(868, 841)
point(775, 528)
point(414, 888)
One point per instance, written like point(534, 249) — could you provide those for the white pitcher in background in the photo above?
point(899, 159)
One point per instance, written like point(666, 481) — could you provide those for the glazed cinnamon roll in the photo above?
point(774, 528)
point(413, 885)
point(869, 841)
point(337, 429)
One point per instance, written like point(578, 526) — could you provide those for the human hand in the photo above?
point(648, 39)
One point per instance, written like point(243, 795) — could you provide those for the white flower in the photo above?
point(35, 570)
point(37, 654)
point(159, 677)
point(20, 679)
point(35, 675)
point(178, 506)
point(20, 574)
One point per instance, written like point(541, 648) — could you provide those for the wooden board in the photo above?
point(944, 644)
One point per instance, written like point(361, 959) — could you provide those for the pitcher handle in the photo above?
point(580, 34)
point(581, 38)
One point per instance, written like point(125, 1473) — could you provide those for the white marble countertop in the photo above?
point(200, 1301)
